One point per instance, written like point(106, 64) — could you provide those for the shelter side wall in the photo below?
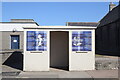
point(35, 60)
point(82, 60)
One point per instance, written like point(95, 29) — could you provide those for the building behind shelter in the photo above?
point(108, 32)
point(92, 24)
point(12, 34)
point(12, 40)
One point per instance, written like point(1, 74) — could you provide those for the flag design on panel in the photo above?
point(81, 41)
point(36, 41)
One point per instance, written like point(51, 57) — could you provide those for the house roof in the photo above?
point(21, 21)
point(110, 17)
point(94, 24)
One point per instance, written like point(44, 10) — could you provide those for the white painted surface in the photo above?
point(12, 26)
point(36, 61)
point(82, 61)
point(59, 27)
point(77, 61)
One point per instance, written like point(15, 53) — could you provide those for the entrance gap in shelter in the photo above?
point(59, 50)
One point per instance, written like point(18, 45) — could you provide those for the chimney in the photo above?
point(111, 6)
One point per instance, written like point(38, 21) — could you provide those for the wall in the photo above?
point(35, 60)
point(82, 61)
point(108, 34)
point(108, 39)
point(10, 26)
point(6, 29)
point(6, 39)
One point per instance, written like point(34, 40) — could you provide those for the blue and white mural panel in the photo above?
point(81, 41)
point(36, 40)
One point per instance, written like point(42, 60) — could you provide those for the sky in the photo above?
point(55, 13)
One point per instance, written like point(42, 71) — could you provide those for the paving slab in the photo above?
point(58, 73)
point(81, 74)
point(38, 75)
point(54, 75)
point(6, 68)
point(104, 73)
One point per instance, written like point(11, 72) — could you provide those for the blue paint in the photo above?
point(81, 41)
point(33, 41)
point(15, 42)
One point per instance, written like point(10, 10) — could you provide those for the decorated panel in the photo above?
point(81, 41)
point(36, 41)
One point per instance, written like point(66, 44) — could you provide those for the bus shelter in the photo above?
point(71, 47)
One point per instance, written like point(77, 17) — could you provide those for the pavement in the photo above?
point(74, 74)
point(11, 73)
point(14, 74)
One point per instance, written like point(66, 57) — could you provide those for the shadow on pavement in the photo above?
point(15, 60)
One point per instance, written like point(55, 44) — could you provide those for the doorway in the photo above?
point(59, 50)
point(14, 41)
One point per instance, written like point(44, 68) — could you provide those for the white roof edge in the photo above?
point(55, 27)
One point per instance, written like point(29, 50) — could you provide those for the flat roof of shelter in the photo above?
point(60, 27)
